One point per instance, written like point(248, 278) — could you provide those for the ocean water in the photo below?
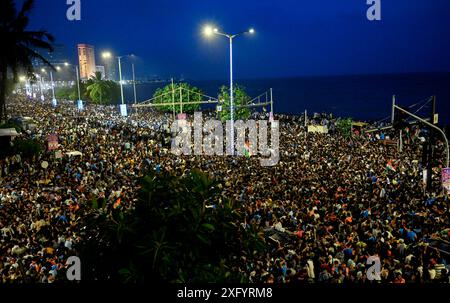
point(364, 97)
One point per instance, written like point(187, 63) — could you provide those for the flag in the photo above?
point(117, 203)
point(390, 167)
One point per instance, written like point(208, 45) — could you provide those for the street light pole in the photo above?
point(78, 82)
point(210, 31)
point(120, 79)
point(231, 96)
point(40, 88)
point(53, 89)
point(134, 84)
point(433, 127)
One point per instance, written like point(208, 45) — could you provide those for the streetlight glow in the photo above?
point(43, 70)
point(58, 68)
point(208, 30)
point(106, 55)
point(22, 78)
point(66, 64)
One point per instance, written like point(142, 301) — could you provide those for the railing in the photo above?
point(265, 99)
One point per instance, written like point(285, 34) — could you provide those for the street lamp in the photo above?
point(209, 31)
point(108, 55)
point(78, 79)
point(24, 80)
point(40, 77)
point(134, 83)
point(43, 70)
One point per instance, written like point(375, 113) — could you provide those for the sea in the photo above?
point(361, 97)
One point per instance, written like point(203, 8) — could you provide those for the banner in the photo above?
point(53, 142)
point(317, 129)
point(446, 178)
point(123, 110)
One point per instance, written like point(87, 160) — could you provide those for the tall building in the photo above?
point(86, 58)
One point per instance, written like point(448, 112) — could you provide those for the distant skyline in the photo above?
point(293, 38)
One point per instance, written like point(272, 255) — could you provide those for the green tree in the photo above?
point(169, 95)
point(71, 93)
point(181, 230)
point(83, 92)
point(64, 92)
point(101, 91)
point(344, 127)
point(240, 98)
point(19, 45)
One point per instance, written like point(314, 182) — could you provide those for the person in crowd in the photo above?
point(330, 203)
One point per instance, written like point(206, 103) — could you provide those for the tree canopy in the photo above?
point(171, 94)
point(19, 45)
point(102, 91)
point(240, 98)
point(181, 230)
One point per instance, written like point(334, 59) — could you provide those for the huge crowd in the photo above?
point(329, 205)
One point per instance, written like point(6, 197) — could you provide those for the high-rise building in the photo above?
point(86, 58)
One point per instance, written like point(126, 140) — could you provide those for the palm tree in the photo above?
point(19, 45)
point(98, 88)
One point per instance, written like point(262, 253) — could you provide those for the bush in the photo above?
point(11, 125)
point(179, 231)
point(27, 148)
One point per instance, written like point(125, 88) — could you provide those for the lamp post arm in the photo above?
point(430, 125)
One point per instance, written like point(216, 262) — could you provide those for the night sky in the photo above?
point(293, 37)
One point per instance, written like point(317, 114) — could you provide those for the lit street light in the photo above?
point(108, 55)
point(209, 31)
point(78, 79)
point(54, 101)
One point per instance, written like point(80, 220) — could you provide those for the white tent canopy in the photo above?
point(74, 154)
point(8, 132)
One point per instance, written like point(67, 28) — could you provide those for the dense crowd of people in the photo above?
point(329, 205)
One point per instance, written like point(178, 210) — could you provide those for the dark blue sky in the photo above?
point(294, 37)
